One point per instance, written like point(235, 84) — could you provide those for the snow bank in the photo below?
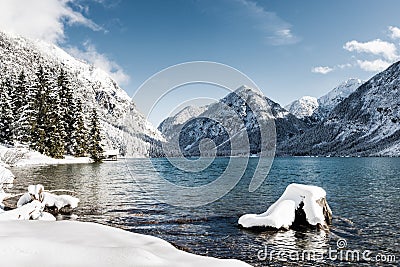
point(303, 205)
point(74, 243)
point(22, 156)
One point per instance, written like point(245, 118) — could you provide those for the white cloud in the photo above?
point(101, 61)
point(321, 69)
point(375, 47)
point(277, 31)
point(394, 32)
point(41, 19)
point(344, 66)
point(46, 20)
point(373, 65)
point(273, 29)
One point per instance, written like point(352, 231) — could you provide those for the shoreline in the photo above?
point(92, 244)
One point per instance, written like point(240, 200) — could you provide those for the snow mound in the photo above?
point(74, 243)
point(297, 201)
point(30, 211)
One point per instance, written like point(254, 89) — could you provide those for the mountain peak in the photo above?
point(303, 107)
point(329, 101)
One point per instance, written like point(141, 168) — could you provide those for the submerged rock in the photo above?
point(300, 206)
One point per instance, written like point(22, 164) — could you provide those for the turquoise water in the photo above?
point(363, 194)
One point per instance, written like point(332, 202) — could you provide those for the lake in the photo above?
point(363, 194)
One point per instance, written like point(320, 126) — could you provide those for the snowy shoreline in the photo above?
point(43, 239)
point(90, 244)
point(20, 157)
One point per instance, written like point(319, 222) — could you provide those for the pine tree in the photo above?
point(67, 110)
point(6, 115)
point(79, 134)
point(22, 108)
point(20, 94)
point(40, 89)
point(95, 150)
point(55, 125)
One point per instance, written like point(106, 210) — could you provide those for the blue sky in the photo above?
point(289, 48)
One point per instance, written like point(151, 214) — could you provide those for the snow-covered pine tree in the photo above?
point(20, 94)
point(40, 89)
point(6, 114)
point(79, 134)
point(95, 149)
point(21, 110)
point(54, 121)
point(67, 109)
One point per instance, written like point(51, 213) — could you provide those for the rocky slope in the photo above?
point(93, 86)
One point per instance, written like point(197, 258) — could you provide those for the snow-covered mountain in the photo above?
point(182, 116)
point(367, 123)
point(318, 109)
point(192, 125)
point(328, 102)
point(303, 107)
point(93, 86)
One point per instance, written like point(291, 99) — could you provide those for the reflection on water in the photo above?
point(362, 192)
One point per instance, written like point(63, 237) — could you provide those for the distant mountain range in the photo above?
point(194, 124)
point(354, 119)
point(366, 123)
point(308, 106)
point(93, 86)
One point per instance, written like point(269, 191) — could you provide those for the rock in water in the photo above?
point(300, 206)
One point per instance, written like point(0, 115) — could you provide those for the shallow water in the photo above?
point(363, 194)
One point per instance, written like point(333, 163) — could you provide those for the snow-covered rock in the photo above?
point(31, 211)
point(49, 200)
point(6, 176)
point(299, 205)
point(71, 243)
point(304, 107)
point(92, 85)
